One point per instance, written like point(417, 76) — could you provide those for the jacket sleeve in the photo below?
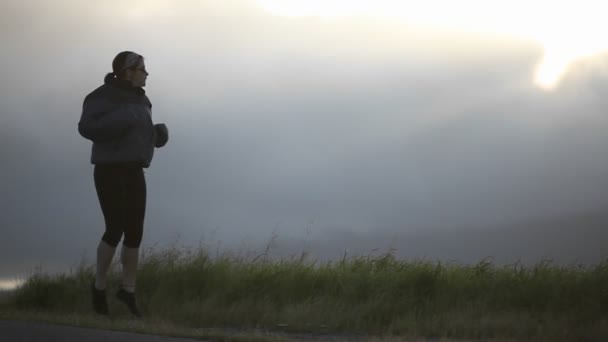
point(102, 120)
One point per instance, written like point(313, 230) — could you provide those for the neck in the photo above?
point(125, 84)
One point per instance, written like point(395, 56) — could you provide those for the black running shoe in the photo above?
point(129, 300)
point(100, 304)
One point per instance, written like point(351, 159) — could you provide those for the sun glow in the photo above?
point(10, 284)
point(567, 30)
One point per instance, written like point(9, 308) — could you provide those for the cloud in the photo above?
point(356, 126)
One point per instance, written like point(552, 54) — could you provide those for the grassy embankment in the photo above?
point(374, 295)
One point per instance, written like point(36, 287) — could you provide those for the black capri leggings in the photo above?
point(121, 189)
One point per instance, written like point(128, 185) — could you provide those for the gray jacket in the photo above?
point(118, 119)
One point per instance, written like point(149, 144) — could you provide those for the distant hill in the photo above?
point(581, 238)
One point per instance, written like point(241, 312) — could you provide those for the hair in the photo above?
point(118, 65)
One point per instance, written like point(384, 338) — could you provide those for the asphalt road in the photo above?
point(25, 331)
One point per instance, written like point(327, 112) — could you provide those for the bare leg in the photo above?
point(105, 253)
point(129, 258)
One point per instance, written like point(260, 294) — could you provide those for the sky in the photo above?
point(329, 127)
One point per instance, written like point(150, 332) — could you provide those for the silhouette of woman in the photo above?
point(116, 117)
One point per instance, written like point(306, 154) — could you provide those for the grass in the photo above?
point(364, 296)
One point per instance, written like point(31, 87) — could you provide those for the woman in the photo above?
point(117, 118)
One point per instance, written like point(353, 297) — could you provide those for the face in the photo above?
point(138, 75)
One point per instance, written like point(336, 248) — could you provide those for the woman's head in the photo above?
point(129, 66)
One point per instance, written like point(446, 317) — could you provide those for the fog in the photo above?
point(332, 136)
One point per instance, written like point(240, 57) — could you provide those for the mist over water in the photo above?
point(332, 135)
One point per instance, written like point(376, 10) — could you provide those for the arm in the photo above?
point(101, 120)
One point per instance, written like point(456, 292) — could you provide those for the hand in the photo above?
point(161, 135)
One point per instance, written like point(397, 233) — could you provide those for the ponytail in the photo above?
point(109, 77)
